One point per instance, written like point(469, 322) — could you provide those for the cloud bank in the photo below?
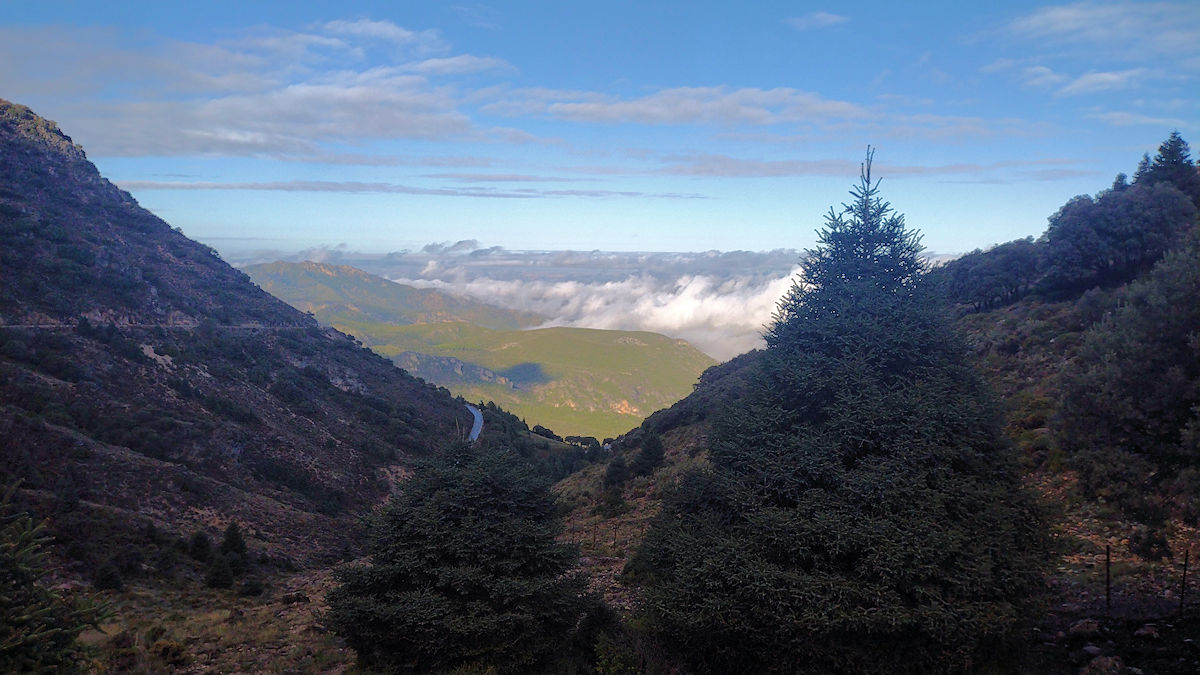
point(721, 316)
point(720, 302)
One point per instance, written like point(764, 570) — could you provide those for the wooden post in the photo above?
point(1183, 586)
point(1107, 580)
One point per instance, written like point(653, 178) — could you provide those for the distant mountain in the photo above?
point(146, 386)
point(575, 381)
point(346, 293)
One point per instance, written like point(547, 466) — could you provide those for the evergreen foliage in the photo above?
point(1001, 275)
point(1120, 234)
point(200, 546)
point(1102, 241)
point(1129, 417)
point(617, 472)
point(108, 577)
point(465, 572)
point(220, 572)
point(649, 457)
point(1172, 165)
point(862, 513)
point(233, 547)
point(38, 626)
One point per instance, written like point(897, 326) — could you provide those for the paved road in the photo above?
point(478, 425)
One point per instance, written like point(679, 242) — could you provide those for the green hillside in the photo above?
point(347, 293)
point(576, 381)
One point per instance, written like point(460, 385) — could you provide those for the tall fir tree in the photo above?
point(863, 512)
point(465, 572)
point(1172, 164)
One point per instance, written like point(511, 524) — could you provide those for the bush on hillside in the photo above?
point(465, 572)
point(1129, 417)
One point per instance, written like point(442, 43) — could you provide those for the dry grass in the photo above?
point(193, 630)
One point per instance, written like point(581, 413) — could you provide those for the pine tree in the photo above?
point(862, 513)
point(233, 547)
point(38, 626)
point(1172, 164)
point(465, 572)
point(220, 572)
point(232, 541)
point(649, 457)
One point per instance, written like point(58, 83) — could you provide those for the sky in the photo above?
point(615, 126)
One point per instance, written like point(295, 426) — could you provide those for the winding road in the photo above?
point(478, 425)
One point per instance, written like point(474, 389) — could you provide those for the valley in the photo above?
point(574, 381)
point(996, 454)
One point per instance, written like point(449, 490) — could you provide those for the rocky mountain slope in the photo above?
point(146, 386)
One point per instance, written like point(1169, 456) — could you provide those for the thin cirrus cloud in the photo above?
point(1127, 119)
point(501, 178)
point(680, 105)
point(1094, 82)
point(425, 41)
point(1042, 77)
point(816, 20)
point(1127, 29)
point(999, 172)
point(392, 188)
point(460, 65)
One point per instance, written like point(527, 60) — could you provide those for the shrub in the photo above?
point(220, 573)
point(465, 571)
point(200, 546)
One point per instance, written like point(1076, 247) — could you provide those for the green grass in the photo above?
point(592, 382)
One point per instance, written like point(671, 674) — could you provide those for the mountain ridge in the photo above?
point(354, 293)
point(146, 383)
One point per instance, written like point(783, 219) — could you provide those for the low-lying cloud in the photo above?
point(718, 301)
point(721, 316)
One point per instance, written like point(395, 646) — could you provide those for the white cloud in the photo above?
point(1131, 29)
point(816, 19)
point(392, 188)
point(723, 165)
point(1126, 119)
point(457, 65)
point(426, 40)
point(501, 178)
point(718, 301)
point(722, 316)
point(270, 93)
point(1094, 82)
point(1042, 77)
point(999, 65)
point(680, 105)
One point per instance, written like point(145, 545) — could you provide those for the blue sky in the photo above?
point(668, 126)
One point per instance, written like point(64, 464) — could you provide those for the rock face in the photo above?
point(145, 382)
